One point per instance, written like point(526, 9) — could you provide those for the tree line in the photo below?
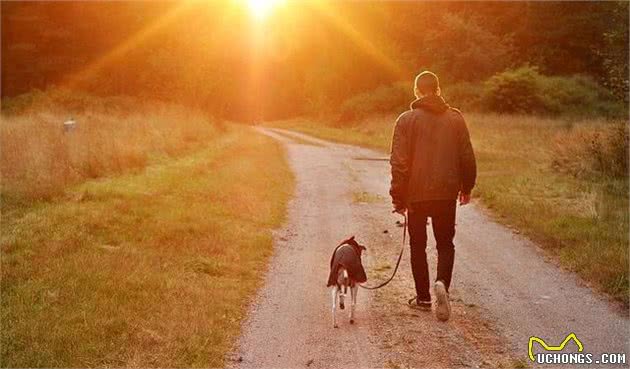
point(308, 57)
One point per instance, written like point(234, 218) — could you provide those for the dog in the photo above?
point(346, 271)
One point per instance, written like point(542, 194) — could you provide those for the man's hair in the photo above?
point(427, 83)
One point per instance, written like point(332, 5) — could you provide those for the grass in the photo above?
point(583, 221)
point(39, 159)
point(151, 266)
point(375, 132)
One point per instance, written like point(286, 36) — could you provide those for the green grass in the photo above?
point(148, 269)
point(374, 133)
point(583, 222)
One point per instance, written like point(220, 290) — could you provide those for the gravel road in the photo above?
point(505, 289)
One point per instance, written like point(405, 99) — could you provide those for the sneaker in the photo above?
point(416, 303)
point(442, 305)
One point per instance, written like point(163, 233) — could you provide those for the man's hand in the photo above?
point(464, 198)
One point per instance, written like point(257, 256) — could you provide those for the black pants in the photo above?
point(442, 214)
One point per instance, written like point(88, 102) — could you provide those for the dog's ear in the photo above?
point(362, 247)
point(349, 241)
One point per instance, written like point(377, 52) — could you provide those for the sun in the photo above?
point(261, 9)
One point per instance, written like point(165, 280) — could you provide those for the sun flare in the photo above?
point(261, 9)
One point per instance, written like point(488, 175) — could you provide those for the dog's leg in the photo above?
point(342, 299)
point(353, 297)
point(342, 281)
point(334, 306)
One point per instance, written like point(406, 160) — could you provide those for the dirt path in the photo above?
point(504, 290)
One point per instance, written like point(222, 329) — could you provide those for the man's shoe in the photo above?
point(442, 305)
point(416, 303)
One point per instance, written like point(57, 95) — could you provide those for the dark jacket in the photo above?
point(347, 257)
point(431, 154)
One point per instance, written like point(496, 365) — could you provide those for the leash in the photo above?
point(402, 249)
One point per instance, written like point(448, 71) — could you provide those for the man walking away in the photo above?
point(432, 163)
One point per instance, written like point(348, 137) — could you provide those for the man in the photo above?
point(432, 163)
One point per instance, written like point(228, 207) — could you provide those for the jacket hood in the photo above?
point(431, 103)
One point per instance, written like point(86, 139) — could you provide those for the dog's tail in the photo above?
point(343, 280)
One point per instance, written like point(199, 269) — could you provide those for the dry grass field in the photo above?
point(39, 158)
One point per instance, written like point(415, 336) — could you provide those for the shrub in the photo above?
point(383, 100)
point(465, 95)
point(593, 151)
point(526, 90)
point(578, 95)
point(514, 91)
point(522, 90)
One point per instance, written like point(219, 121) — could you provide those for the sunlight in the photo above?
point(360, 38)
point(261, 9)
point(130, 43)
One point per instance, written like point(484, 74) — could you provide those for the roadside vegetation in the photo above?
point(135, 240)
point(563, 181)
point(523, 90)
point(40, 159)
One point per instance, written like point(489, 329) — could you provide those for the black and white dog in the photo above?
point(346, 270)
